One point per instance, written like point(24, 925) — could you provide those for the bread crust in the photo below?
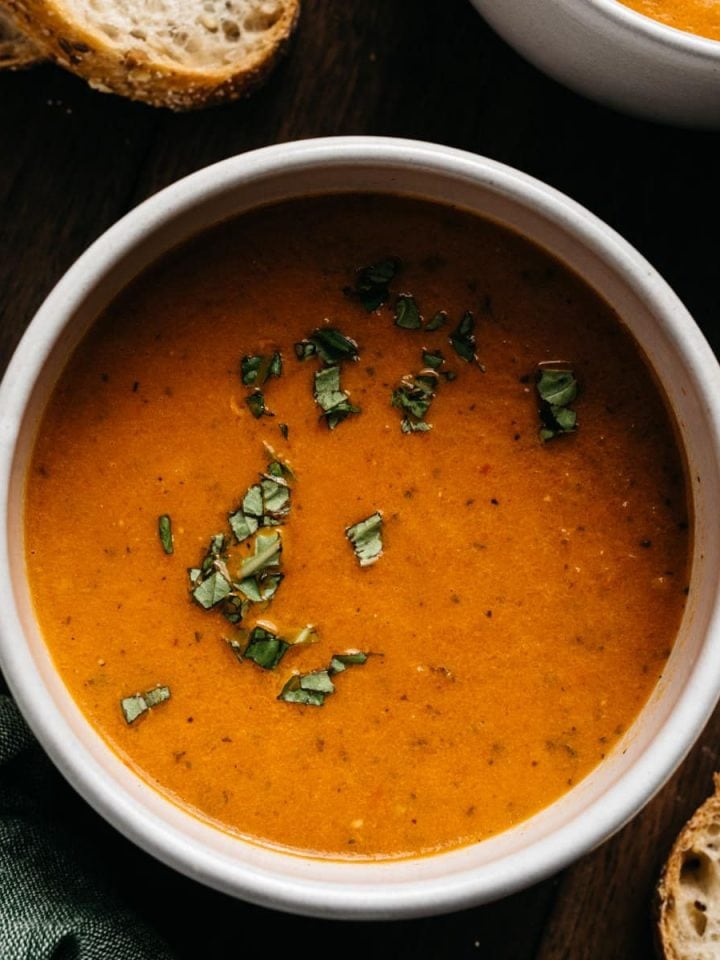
point(17, 51)
point(131, 73)
point(688, 893)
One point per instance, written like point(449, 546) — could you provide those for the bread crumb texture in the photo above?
point(689, 889)
point(176, 53)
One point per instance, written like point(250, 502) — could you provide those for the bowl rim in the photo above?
point(306, 895)
point(662, 33)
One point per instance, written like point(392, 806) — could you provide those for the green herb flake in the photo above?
point(436, 321)
point(462, 338)
point(284, 430)
point(157, 696)
point(557, 388)
point(256, 404)
point(319, 681)
point(331, 345)
point(308, 688)
point(165, 533)
point(408, 425)
point(267, 554)
point(407, 313)
point(413, 397)
point(311, 689)
point(214, 552)
point(265, 648)
point(293, 692)
point(245, 521)
point(265, 504)
point(372, 284)
point(212, 590)
point(256, 370)
point(329, 396)
point(139, 703)
point(261, 588)
point(234, 608)
point(341, 661)
point(133, 707)
point(278, 466)
point(276, 500)
point(366, 539)
point(432, 360)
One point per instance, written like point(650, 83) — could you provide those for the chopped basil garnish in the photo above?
point(278, 465)
point(557, 389)
point(283, 427)
point(295, 692)
point(133, 707)
point(267, 554)
point(260, 589)
point(138, 704)
point(312, 688)
point(372, 286)
point(234, 608)
point(437, 321)
point(341, 661)
point(211, 586)
point(329, 344)
point(156, 696)
point(413, 396)
point(433, 360)
point(407, 313)
point(265, 504)
point(366, 539)
point(265, 648)
point(408, 425)
point(333, 401)
point(165, 533)
point(256, 403)
point(463, 338)
point(245, 521)
point(257, 369)
point(212, 590)
point(332, 347)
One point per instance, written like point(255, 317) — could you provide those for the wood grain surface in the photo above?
point(72, 161)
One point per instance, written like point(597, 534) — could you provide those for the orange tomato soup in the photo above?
point(528, 592)
point(694, 16)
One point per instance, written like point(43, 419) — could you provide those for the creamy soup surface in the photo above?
point(528, 592)
point(694, 16)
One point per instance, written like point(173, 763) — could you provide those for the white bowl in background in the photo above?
point(610, 53)
point(680, 705)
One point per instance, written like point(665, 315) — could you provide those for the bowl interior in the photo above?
point(667, 726)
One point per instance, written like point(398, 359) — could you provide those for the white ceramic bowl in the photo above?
point(613, 54)
point(666, 728)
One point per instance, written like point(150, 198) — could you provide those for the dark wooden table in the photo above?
point(73, 161)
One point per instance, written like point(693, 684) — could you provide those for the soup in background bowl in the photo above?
point(305, 776)
point(693, 16)
point(612, 53)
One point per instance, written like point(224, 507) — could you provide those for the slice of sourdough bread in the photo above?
point(689, 889)
point(16, 49)
point(180, 54)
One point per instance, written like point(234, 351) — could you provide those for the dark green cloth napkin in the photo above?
point(57, 900)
